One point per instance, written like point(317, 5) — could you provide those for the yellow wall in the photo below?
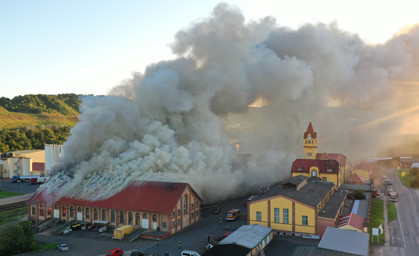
point(330, 177)
point(281, 203)
point(303, 210)
point(348, 227)
point(262, 207)
point(362, 173)
point(296, 174)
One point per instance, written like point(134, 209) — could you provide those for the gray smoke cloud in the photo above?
point(175, 121)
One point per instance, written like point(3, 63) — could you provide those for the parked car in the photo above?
point(136, 253)
point(67, 230)
point(189, 253)
point(63, 247)
point(115, 252)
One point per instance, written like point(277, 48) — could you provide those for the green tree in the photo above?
point(414, 171)
point(16, 239)
point(359, 195)
point(414, 183)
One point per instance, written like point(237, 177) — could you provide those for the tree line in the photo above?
point(66, 104)
point(32, 137)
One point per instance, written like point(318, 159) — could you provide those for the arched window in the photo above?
point(64, 211)
point(185, 204)
point(95, 214)
point(121, 218)
point(154, 218)
point(79, 209)
point(103, 214)
point(313, 173)
point(137, 218)
point(130, 218)
point(145, 216)
point(87, 213)
point(71, 212)
point(113, 216)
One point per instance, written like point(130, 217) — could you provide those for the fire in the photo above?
point(259, 102)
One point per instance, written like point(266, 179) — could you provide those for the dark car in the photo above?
point(137, 253)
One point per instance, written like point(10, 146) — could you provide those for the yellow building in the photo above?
point(300, 206)
point(310, 143)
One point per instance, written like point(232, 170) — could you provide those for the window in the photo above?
point(313, 173)
point(191, 206)
point(178, 212)
point(164, 225)
point(309, 142)
point(154, 218)
point(145, 216)
point(329, 170)
point(95, 214)
point(285, 213)
point(173, 224)
point(191, 215)
point(276, 215)
point(258, 216)
point(71, 212)
point(113, 216)
point(121, 217)
point(103, 214)
point(41, 211)
point(305, 220)
point(49, 210)
point(137, 218)
point(178, 222)
point(79, 210)
point(185, 204)
point(173, 214)
point(300, 169)
point(64, 211)
point(324, 179)
point(130, 218)
point(87, 213)
point(33, 210)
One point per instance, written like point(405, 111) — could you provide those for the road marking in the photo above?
point(416, 210)
point(404, 243)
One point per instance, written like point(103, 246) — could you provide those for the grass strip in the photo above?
point(391, 212)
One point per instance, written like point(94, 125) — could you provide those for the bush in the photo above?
point(359, 195)
point(414, 171)
point(16, 239)
point(414, 183)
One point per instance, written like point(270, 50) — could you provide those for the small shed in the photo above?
point(343, 240)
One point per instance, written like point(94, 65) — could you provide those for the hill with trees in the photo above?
point(30, 121)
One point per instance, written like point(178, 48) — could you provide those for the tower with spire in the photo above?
point(310, 143)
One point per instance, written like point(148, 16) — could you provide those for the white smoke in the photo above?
point(172, 122)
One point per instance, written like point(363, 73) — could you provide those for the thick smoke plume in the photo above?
point(175, 122)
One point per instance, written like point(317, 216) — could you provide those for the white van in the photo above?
point(189, 253)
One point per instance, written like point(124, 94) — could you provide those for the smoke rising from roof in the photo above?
point(175, 121)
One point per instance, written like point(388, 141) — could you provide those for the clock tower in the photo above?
point(310, 143)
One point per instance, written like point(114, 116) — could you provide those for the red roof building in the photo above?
point(163, 206)
point(351, 221)
point(326, 170)
point(356, 179)
point(341, 158)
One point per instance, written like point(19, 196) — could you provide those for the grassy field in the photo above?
point(10, 120)
point(405, 180)
point(42, 247)
point(12, 215)
point(6, 194)
point(391, 212)
point(377, 218)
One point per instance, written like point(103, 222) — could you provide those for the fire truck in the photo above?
point(392, 196)
point(233, 214)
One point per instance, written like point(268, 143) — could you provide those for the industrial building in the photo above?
point(167, 207)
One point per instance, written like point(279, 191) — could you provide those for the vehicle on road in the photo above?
point(39, 180)
point(233, 214)
point(19, 178)
point(136, 253)
point(115, 252)
point(189, 253)
point(392, 197)
point(63, 247)
point(67, 230)
point(121, 232)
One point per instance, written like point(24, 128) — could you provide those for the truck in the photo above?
point(121, 232)
point(392, 196)
point(233, 214)
point(19, 178)
point(39, 180)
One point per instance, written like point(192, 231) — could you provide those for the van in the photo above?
point(189, 253)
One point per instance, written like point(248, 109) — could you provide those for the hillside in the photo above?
point(30, 121)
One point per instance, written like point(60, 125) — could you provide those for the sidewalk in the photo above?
point(15, 199)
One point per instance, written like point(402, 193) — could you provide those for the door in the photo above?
point(56, 213)
point(144, 223)
point(79, 216)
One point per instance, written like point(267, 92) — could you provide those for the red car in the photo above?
point(115, 252)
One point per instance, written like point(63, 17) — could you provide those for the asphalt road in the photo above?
point(403, 233)
point(22, 187)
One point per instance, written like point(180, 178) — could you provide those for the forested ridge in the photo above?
point(30, 121)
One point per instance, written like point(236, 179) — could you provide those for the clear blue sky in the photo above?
point(87, 47)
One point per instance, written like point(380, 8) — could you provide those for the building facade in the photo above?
point(162, 206)
point(296, 206)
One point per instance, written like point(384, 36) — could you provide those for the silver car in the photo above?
point(62, 247)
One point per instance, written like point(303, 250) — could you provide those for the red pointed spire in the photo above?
point(310, 131)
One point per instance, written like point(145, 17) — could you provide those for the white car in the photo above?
point(62, 247)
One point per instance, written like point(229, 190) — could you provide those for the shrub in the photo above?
point(359, 195)
point(414, 183)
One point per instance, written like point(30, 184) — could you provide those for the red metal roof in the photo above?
point(352, 220)
point(310, 131)
point(304, 165)
point(355, 178)
point(145, 196)
point(341, 158)
point(37, 166)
